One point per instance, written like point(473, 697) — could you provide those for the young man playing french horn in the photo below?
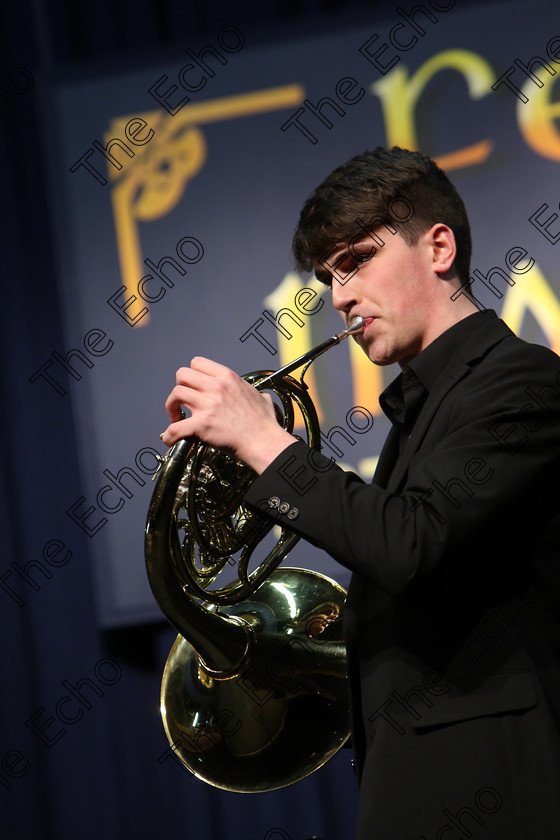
point(459, 529)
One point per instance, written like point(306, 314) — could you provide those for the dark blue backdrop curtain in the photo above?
point(80, 728)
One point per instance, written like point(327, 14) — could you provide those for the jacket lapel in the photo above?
point(459, 366)
point(422, 424)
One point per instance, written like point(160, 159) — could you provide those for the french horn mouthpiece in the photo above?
point(356, 324)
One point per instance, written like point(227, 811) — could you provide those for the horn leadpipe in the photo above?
point(355, 326)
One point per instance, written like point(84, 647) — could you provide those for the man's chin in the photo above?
point(382, 362)
point(378, 355)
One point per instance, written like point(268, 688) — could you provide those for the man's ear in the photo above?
point(444, 248)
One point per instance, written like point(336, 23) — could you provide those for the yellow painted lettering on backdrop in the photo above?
point(536, 118)
point(150, 188)
point(367, 378)
point(533, 292)
point(282, 297)
point(155, 181)
point(399, 96)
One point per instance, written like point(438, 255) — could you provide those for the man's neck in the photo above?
point(451, 313)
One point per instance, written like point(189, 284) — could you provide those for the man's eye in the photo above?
point(350, 262)
point(345, 264)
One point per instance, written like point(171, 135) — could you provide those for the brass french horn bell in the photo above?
point(254, 692)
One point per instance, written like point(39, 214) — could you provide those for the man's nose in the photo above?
point(343, 293)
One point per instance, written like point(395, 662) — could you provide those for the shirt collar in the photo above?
point(429, 364)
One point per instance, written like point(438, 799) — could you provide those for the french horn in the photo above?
point(254, 691)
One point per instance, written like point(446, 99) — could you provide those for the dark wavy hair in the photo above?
point(368, 189)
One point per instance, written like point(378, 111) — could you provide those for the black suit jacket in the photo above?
point(452, 618)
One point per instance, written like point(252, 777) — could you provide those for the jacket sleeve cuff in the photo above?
point(285, 489)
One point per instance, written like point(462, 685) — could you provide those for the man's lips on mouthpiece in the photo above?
point(366, 321)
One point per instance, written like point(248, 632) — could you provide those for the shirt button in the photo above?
point(273, 502)
point(293, 513)
point(284, 507)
